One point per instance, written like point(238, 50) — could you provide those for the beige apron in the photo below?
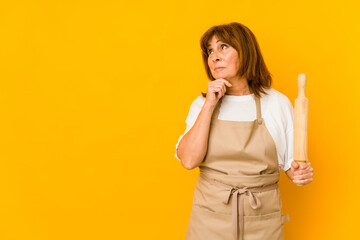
point(236, 195)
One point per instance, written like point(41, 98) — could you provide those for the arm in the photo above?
point(288, 113)
point(193, 145)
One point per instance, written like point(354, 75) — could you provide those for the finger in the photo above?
point(306, 166)
point(219, 91)
point(306, 181)
point(226, 82)
point(303, 171)
point(214, 89)
point(303, 176)
point(219, 84)
point(216, 85)
point(220, 94)
point(294, 166)
point(223, 90)
point(309, 165)
point(303, 165)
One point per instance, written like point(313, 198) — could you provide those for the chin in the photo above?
point(219, 76)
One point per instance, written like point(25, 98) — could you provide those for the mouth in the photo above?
point(219, 68)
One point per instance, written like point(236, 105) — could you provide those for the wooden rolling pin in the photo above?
point(301, 123)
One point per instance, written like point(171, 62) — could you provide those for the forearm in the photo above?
point(192, 147)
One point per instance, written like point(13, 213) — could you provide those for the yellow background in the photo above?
point(94, 95)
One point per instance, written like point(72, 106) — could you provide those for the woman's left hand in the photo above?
point(302, 173)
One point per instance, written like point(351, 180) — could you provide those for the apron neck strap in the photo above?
point(259, 119)
point(258, 110)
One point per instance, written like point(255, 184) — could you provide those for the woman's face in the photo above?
point(223, 60)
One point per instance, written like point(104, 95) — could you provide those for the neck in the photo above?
point(239, 87)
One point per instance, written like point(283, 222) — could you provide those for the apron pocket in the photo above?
point(267, 226)
point(207, 225)
point(203, 207)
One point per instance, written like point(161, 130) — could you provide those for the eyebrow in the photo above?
point(216, 42)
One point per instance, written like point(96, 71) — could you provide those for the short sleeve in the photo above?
point(193, 113)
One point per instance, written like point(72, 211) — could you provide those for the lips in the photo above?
point(219, 68)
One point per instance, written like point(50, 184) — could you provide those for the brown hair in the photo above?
point(252, 65)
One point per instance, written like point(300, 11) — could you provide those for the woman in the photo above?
point(240, 135)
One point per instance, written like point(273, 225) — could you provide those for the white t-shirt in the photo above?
point(276, 110)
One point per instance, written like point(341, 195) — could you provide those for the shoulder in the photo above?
point(276, 98)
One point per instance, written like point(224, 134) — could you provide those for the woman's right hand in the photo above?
point(215, 90)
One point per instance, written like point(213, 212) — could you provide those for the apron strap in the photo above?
point(258, 110)
point(285, 218)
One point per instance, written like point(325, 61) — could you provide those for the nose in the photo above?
point(215, 57)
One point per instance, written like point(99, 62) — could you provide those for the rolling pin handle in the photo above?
point(302, 84)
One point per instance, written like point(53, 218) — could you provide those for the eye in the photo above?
point(224, 45)
point(221, 47)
